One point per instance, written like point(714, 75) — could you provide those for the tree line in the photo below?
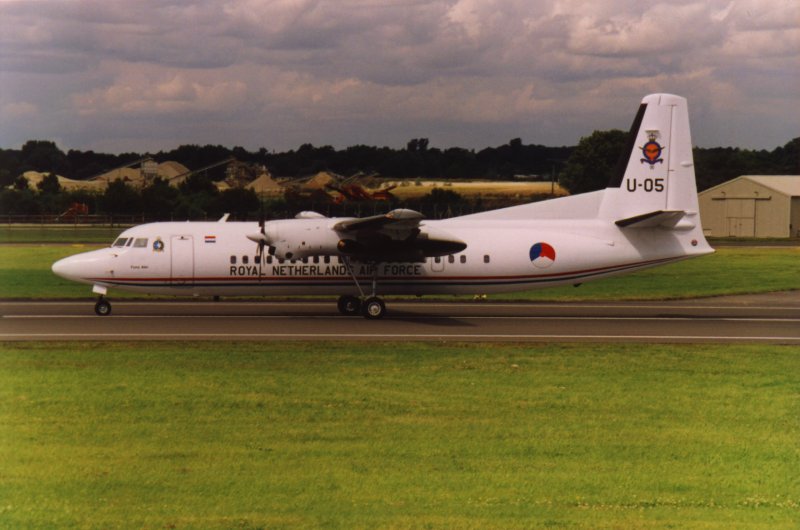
point(585, 167)
point(594, 160)
point(417, 160)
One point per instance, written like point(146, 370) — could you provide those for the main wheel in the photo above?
point(373, 308)
point(102, 308)
point(349, 305)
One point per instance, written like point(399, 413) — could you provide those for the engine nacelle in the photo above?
point(301, 238)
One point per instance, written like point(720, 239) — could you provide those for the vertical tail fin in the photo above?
point(656, 173)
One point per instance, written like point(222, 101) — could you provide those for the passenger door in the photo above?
point(182, 260)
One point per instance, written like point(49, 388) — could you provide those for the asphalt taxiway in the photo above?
point(773, 318)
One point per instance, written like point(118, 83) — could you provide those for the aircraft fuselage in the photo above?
point(217, 259)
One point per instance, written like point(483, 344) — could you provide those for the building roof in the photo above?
point(785, 184)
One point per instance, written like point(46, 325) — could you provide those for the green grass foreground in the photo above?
point(247, 435)
point(25, 273)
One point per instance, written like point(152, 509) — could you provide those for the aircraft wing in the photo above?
point(399, 220)
point(395, 236)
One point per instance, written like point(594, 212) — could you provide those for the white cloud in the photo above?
point(154, 94)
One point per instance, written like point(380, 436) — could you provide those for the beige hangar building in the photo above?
point(752, 206)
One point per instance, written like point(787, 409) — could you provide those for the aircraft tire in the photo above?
point(349, 305)
point(373, 308)
point(102, 308)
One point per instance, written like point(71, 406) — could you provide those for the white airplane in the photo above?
point(647, 216)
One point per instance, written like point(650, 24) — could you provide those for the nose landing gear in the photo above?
point(102, 307)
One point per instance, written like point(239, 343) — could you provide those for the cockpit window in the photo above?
point(140, 242)
point(130, 242)
point(120, 242)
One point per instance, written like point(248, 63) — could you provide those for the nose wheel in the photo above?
point(102, 307)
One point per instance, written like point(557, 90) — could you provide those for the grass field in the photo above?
point(25, 273)
point(398, 436)
point(58, 234)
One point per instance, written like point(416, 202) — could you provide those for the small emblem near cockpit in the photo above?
point(158, 245)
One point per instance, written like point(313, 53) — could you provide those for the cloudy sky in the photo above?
point(153, 74)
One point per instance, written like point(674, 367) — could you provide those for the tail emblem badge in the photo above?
point(652, 152)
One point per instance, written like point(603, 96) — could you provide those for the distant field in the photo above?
point(169, 435)
point(25, 273)
point(410, 190)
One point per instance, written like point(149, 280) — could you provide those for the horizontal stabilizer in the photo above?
point(658, 218)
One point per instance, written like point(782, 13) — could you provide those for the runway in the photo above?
point(773, 318)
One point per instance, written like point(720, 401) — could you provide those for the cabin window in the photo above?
point(269, 260)
point(245, 260)
point(305, 260)
point(141, 242)
point(486, 258)
point(437, 259)
point(120, 242)
point(463, 258)
point(326, 259)
point(316, 259)
point(451, 259)
point(256, 260)
point(233, 260)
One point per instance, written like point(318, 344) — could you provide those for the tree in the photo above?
point(198, 183)
point(159, 199)
point(199, 195)
point(21, 183)
point(593, 162)
point(49, 184)
point(238, 202)
point(10, 166)
point(42, 155)
point(18, 201)
point(119, 198)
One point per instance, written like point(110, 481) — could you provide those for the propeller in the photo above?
point(260, 239)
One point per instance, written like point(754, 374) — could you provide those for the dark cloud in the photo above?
point(123, 75)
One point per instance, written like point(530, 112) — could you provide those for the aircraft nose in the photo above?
point(67, 268)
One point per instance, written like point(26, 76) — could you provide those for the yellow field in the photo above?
point(412, 190)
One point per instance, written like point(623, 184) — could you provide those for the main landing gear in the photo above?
point(371, 307)
point(102, 307)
